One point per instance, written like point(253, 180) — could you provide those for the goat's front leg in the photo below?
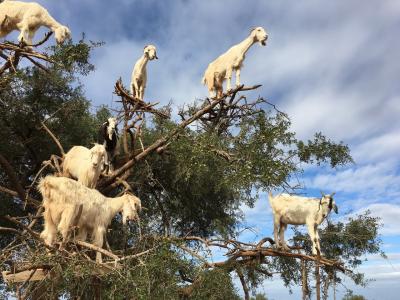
point(50, 230)
point(31, 34)
point(135, 89)
point(318, 246)
point(313, 236)
point(228, 78)
point(64, 226)
point(23, 36)
point(98, 240)
point(237, 77)
point(141, 92)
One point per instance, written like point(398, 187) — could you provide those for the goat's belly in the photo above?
point(292, 220)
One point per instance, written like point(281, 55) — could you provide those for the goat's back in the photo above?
point(292, 209)
point(76, 154)
point(17, 9)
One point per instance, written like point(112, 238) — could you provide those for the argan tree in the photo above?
point(192, 169)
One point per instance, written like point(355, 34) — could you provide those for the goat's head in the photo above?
point(329, 201)
point(131, 208)
point(150, 51)
point(61, 34)
point(98, 155)
point(259, 35)
point(111, 127)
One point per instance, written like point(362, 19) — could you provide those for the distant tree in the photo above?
point(259, 296)
point(350, 296)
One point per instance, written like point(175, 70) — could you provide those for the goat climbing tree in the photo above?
point(192, 169)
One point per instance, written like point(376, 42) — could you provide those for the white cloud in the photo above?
point(389, 214)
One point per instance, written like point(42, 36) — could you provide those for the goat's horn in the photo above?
point(333, 194)
point(322, 193)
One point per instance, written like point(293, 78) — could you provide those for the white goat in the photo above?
point(67, 201)
point(139, 73)
point(27, 17)
point(296, 210)
point(221, 68)
point(85, 164)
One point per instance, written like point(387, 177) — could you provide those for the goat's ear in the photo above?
point(335, 208)
point(333, 194)
point(251, 29)
point(322, 194)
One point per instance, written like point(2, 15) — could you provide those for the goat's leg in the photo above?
point(50, 230)
point(318, 246)
point(237, 77)
point(98, 240)
point(135, 88)
point(67, 217)
point(282, 229)
point(23, 36)
point(31, 34)
point(82, 234)
point(311, 231)
point(141, 92)
point(276, 230)
point(228, 77)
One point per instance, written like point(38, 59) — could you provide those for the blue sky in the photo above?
point(333, 66)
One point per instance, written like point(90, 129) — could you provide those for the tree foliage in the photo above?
point(195, 186)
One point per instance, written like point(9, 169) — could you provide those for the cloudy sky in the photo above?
point(333, 66)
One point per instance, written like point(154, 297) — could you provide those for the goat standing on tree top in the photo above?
point(28, 17)
point(222, 68)
point(296, 210)
point(139, 73)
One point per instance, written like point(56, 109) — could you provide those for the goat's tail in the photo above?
point(270, 198)
point(44, 187)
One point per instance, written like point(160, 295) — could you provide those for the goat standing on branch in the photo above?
point(68, 203)
point(108, 137)
point(139, 73)
point(296, 210)
point(222, 68)
point(85, 164)
point(28, 17)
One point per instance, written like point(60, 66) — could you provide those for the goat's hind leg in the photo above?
point(276, 231)
point(282, 229)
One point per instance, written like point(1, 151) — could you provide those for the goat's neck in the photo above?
point(116, 205)
point(142, 62)
point(51, 23)
point(245, 45)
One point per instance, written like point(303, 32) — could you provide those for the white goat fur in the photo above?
point(296, 210)
point(62, 199)
point(27, 17)
point(139, 73)
point(222, 67)
point(85, 164)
